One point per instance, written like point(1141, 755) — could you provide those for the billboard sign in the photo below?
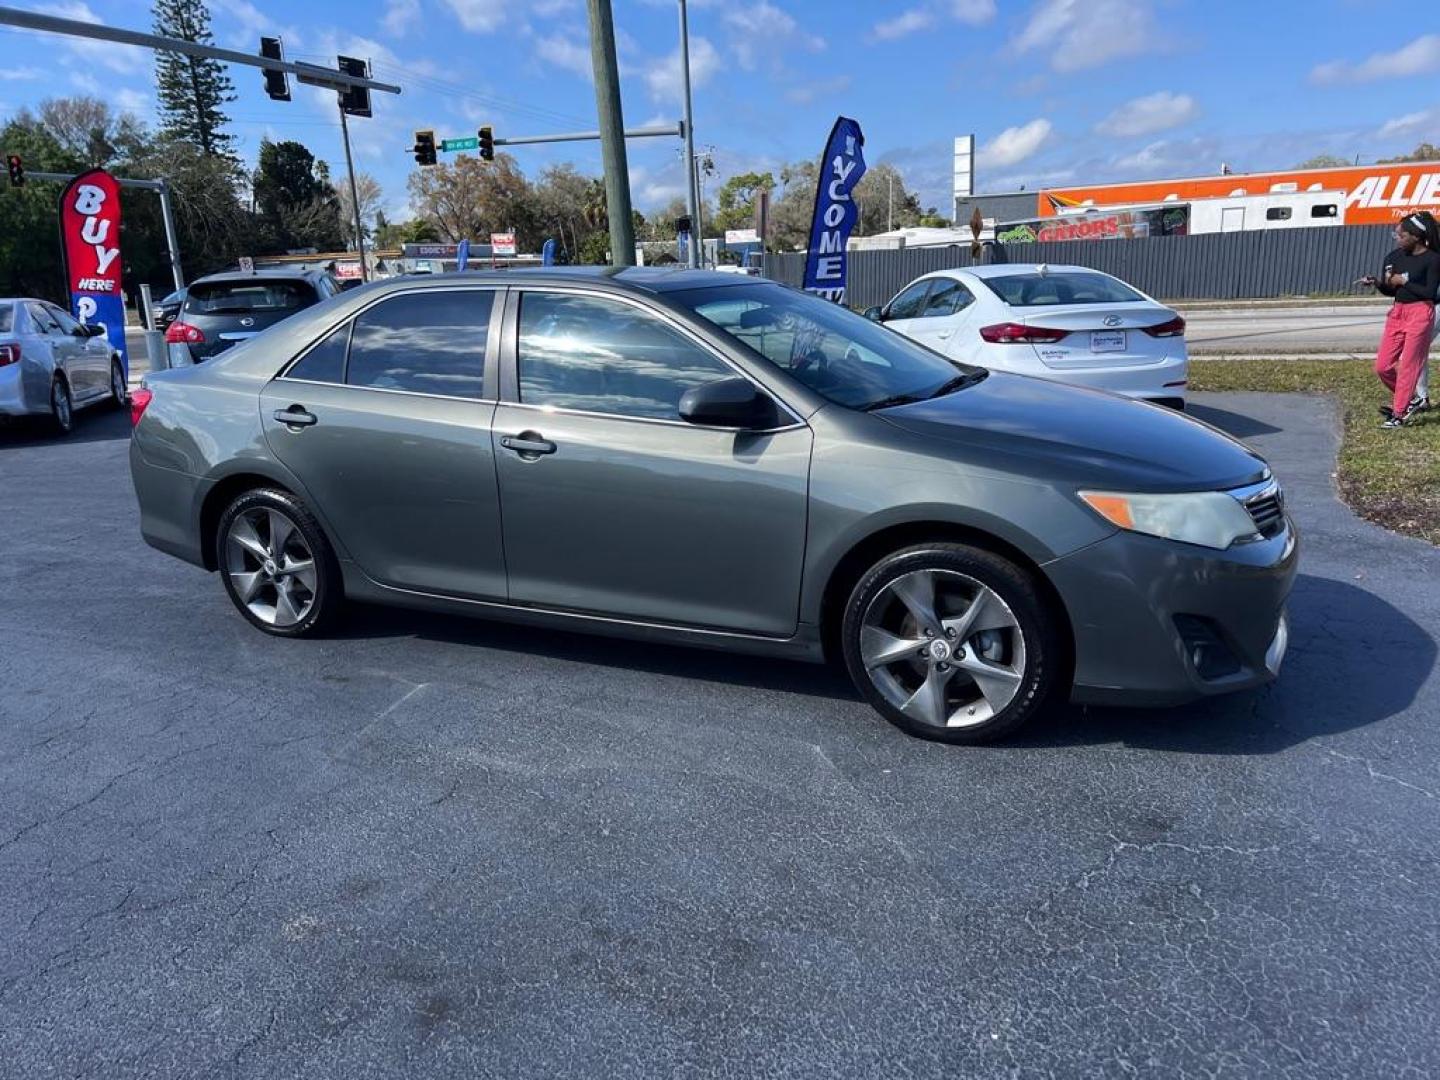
point(90, 241)
point(1098, 225)
point(502, 243)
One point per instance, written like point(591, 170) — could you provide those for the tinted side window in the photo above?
point(325, 362)
point(42, 319)
point(910, 302)
point(582, 352)
point(68, 324)
point(431, 343)
point(947, 298)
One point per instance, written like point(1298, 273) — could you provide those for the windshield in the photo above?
point(838, 354)
point(235, 297)
point(1066, 287)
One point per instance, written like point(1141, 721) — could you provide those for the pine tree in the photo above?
point(192, 91)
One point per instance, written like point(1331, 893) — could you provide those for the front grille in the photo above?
point(1267, 510)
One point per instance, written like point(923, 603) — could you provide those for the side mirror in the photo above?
point(875, 314)
point(732, 402)
point(94, 329)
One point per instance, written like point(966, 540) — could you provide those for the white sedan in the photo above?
point(1066, 323)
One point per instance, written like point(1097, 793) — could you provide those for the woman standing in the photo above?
point(1412, 277)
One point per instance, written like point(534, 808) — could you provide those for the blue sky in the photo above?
point(1056, 91)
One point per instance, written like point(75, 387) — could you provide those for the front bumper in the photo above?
point(1160, 623)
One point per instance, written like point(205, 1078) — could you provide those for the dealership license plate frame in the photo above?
point(1109, 341)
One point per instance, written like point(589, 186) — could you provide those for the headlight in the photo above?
point(1210, 518)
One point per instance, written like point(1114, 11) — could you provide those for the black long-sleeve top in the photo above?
point(1424, 271)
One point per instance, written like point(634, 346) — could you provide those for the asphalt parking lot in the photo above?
point(434, 847)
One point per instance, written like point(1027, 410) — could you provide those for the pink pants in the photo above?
point(1404, 345)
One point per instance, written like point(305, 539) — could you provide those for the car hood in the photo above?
point(1086, 436)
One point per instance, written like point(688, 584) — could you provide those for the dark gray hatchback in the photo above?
point(222, 310)
point(695, 458)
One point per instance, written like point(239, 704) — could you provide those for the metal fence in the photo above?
point(1219, 266)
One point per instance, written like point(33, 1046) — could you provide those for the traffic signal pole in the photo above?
point(692, 194)
point(354, 194)
point(612, 133)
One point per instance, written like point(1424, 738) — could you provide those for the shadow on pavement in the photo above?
point(1354, 660)
point(701, 665)
point(98, 423)
point(1231, 423)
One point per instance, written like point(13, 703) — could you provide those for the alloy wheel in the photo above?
point(117, 383)
point(271, 566)
point(60, 402)
point(943, 648)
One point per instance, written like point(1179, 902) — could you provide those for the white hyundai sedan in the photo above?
point(1066, 323)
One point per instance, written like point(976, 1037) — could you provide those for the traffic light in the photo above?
point(424, 148)
point(487, 143)
point(356, 100)
point(682, 224)
point(17, 170)
point(277, 83)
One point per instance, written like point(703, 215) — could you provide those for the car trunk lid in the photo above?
point(1101, 335)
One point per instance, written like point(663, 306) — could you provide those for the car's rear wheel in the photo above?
point(119, 395)
point(62, 411)
point(278, 567)
point(951, 642)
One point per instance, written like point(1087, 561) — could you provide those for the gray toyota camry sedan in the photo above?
point(702, 459)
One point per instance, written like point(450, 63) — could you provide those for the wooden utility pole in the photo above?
point(612, 133)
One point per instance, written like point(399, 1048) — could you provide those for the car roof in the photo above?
point(268, 273)
point(995, 270)
point(654, 279)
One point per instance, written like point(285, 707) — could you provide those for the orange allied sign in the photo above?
point(1374, 194)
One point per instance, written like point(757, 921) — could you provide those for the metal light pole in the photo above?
point(354, 195)
point(172, 240)
point(612, 133)
point(692, 194)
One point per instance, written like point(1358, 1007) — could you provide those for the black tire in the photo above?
point(117, 380)
point(329, 592)
point(1043, 660)
point(62, 406)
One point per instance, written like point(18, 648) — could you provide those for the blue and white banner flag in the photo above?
point(462, 256)
point(826, 264)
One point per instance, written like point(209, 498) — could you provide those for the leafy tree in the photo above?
point(470, 199)
point(1324, 161)
point(91, 132)
point(192, 91)
point(297, 205)
point(29, 250)
point(394, 235)
point(1424, 152)
point(564, 209)
point(736, 200)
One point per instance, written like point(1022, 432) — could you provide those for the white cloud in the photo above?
point(1146, 115)
point(760, 30)
point(907, 22)
point(127, 59)
point(400, 15)
point(1153, 156)
point(87, 83)
point(1418, 57)
point(17, 74)
point(568, 55)
point(1015, 144)
point(973, 12)
point(811, 92)
point(133, 101)
point(1079, 35)
point(664, 78)
point(1410, 125)
point(486, 16)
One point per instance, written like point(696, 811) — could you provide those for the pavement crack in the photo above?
point(1376, 774)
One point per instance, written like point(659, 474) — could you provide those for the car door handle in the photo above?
point(295, 416)
point(528, 445)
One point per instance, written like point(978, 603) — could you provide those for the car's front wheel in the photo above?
point(951, 642)
point(278, 567)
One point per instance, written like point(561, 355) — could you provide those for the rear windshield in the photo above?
point(7, 318)
point(1042, 290)
point(237, 297)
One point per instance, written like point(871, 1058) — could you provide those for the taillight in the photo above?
point(9, 354)
point(1174, 328)
point(181, 333)
point(139, 400)
point(1015, 334)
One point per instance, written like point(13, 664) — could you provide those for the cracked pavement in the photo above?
point(432, 847)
